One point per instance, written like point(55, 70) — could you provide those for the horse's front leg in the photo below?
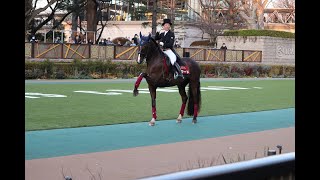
point(137, 84)
point(184, 99)
point(152, 90)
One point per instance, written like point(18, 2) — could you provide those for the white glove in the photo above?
point(161, 43)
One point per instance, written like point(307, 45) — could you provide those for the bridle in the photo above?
point(140, 48)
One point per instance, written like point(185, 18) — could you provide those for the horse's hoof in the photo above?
point(179, 119)
point(135, 92)
point(194, 121)
point(151, 123)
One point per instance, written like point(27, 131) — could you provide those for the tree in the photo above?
point(31, 12)
point(102, 18)
point(290, 4)
point(253, 12)
point(217, 16)
point(283, 11)
point(77, 8)
point(52, 7)
point(91, 14)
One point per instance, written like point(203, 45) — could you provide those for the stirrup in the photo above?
point(176, 75)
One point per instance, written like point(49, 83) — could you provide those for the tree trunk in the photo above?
point(213, 40)
point(74, 26)
point(91, 19)
point(260, 16)
point(252, 24)
point(260, 21)
point(27, 11)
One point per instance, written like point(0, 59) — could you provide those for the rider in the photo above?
point(166, 37)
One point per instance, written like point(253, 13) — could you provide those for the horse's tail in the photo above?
point(191, 101)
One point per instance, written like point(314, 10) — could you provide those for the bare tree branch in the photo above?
point(217, 16)
point(35, 12)
point(61, 20)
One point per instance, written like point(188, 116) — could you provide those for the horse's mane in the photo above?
point(157, 45)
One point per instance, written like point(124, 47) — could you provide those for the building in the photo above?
point(124, 19)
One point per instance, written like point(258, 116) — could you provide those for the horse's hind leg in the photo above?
point(196, 95)
point(184, 99)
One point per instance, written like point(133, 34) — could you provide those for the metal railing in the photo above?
point(274, 167)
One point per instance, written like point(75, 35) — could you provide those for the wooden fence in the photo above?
point(86, 51)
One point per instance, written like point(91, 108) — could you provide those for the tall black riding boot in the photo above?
point(178, 70)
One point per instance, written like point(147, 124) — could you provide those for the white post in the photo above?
point(87, 37)
point(94, 38)
point(53, 36)
point(45, 36)
point(62, 32)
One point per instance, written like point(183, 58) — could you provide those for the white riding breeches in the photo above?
point(171, 55)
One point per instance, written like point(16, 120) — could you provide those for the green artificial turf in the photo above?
point(81, 109)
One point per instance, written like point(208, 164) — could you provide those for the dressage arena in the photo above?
point(135, 150)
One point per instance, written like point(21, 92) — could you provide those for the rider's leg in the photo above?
point(173, 60)
point(177, 55)
point(177, 66)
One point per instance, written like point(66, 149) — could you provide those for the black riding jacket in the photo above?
point(168, 39)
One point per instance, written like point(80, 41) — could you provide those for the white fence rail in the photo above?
point(272, 167)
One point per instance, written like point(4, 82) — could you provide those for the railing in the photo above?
point(86, 51)
point(274, 167)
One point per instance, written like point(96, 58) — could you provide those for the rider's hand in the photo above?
point(161, 43)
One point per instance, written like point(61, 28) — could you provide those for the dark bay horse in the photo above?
point(159, 74)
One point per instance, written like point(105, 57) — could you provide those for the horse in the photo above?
point(159, 74)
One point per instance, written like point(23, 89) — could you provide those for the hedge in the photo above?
point(78, 69)
point(252, 32)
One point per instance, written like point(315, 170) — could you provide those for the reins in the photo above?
point(164, 69)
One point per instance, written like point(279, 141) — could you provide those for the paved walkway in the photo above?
point(132, 151)
point(134, 163)
point(62, 142)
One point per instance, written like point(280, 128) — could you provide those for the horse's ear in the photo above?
point(149, 35)
point(140, 35)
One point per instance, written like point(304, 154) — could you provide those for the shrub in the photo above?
point(106, 69)
point(252, 32)
point(60, 74)
point(33, 74)
point(47, 68)
point(275, 71)
point(248, 70)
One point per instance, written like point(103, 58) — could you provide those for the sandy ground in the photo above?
point(135, 163)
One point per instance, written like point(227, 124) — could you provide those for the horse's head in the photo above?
point(143, 48)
